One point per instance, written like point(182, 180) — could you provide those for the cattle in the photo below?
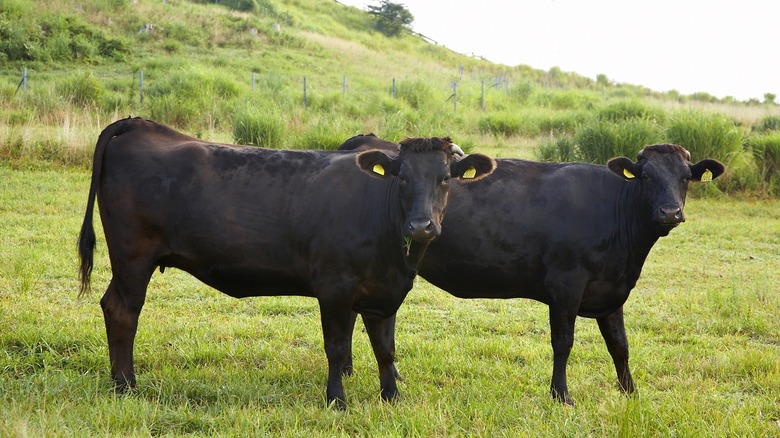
point(347, 229)
point(573, 236)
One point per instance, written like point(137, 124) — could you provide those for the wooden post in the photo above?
point(454, 97)
point(141, 85)
point(393, 92)
point(24, 81)
point(344, 86)
point(253, 81)
point(482, 101)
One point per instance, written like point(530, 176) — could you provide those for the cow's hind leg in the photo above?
point(614, 332)
point(122, 305)
point(381, 332)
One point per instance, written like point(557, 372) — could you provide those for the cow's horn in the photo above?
point(457, 150)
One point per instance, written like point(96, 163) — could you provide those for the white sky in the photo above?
point(722, 47)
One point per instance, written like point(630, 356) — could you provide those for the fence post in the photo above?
point(141, 84)
point(304, 91)
point(482, 101)
point(344, 86)
point(253, 81)
point(454, 97)
point(22, 83)
point(393, 88)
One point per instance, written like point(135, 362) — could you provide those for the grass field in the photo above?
point(702, 322)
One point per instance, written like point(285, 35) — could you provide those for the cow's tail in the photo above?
point(86, 242)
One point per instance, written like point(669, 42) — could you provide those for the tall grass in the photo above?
point(766, 151)
point(710, 135)
point(262, 127)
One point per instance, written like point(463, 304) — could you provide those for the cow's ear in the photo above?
point(706, 170)
point(472, 167)
point(624, 168)
point(377, 164)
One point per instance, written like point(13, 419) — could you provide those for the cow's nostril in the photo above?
point(421, 228)
point(670, 214)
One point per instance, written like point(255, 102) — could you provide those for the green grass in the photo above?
point(702, 324)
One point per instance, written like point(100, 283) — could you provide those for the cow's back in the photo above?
point(503, 235)
point(244, 220)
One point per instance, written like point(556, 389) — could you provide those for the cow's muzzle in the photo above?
point(421, 229)
point(669, 216)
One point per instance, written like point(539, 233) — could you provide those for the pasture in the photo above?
point(702, 324)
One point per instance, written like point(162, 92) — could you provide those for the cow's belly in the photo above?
point(244, 281)
point(602, 298)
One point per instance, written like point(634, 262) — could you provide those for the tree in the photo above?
point(769, 98)
point(392, 18)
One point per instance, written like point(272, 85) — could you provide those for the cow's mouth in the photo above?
point(666, 227)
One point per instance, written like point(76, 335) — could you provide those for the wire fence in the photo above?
point(478, 88)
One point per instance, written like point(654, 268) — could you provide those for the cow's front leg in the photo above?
point(348, 367)
point(614, 332)
point(337, 324)
point(562, 320)
point(381, 332)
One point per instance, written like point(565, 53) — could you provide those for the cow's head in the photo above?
point(663, 172)
point(423, 168)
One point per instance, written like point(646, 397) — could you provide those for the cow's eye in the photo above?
point(446, 179)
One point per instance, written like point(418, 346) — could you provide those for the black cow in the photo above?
point(250, 222)
point(573, 236)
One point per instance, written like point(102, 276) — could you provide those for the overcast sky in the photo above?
point(724, 48)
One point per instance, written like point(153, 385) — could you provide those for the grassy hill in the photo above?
point(234, 71)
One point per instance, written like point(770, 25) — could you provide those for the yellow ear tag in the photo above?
point(706, 176)
point(470, 173)
point(628, 174)
point(379, 169)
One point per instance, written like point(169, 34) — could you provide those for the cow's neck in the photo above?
point(410, 252)
point(635, 231)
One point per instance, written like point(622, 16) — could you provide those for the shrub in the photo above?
point(81, 88)
point(264, 6)
point(705, 135)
